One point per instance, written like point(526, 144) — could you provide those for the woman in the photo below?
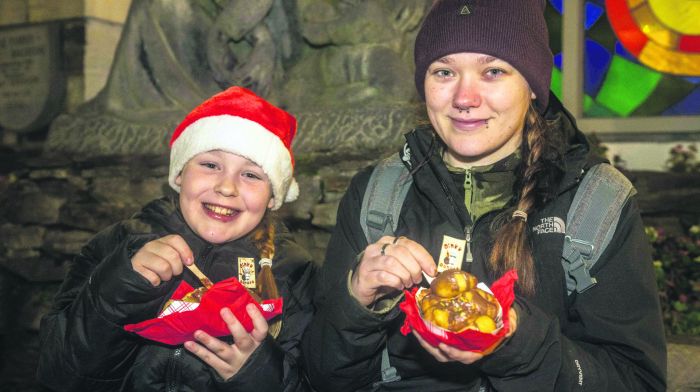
point(500, 158)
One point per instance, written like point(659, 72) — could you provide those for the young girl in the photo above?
point(231, 163)
point(500, 159)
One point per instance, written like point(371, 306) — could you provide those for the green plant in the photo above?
point(677, 265)
point(683, 160)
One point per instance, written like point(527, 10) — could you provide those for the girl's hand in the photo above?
point(390, 265)
point(445, 353)
point(162, 258)
point(228, 359)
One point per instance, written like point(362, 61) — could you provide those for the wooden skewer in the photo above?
point(200, 275)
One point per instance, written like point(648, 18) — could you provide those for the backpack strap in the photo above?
point(381, 204)
point(379, 216)
point(389, 373)
point(591, 223)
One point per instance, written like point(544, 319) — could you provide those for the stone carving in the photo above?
point(171, 56)
point(354, 132)
point(247, 42)
point(362, 54)
point(346, 60)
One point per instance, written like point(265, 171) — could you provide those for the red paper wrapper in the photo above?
point(178, 327)
point(468, 340)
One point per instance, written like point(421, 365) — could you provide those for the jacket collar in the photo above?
point(431, 177)
point(490, 188)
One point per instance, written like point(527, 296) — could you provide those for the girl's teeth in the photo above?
point(220, 210)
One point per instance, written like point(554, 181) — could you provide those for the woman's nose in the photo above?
point(467, 95)
point(226, 187)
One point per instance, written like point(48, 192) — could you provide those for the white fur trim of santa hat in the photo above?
point(242, 137)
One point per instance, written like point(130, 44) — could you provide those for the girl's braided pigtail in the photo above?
point(264, 239)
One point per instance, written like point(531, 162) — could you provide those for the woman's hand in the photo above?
point(390, 265)
point(445, 353)
point(228, 359)
point(162, 258)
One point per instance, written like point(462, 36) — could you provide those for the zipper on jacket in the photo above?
point(173, 371)
point(468, 238)
point(468, 227)
point(204, 256)
point(468, 201)
point(469, 192)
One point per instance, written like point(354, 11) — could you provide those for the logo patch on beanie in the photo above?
point(465, 10)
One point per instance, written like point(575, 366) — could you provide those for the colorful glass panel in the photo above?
point(627, 85)
point(641, 57)
point(597, 62)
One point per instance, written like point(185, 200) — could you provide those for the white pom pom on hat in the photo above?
point(238, 121)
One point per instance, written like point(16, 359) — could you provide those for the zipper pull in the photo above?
point(468, 192)
point(468, 238)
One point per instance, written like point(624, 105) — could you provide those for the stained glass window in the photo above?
point(641, 57)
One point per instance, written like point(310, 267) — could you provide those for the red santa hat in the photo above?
point(238, 121)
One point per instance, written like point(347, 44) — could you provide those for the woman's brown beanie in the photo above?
point(512, 30)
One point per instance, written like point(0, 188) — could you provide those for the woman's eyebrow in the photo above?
point(486, 59)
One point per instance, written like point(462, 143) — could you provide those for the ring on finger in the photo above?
point(383, 250)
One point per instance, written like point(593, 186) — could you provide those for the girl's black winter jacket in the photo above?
point(609, 338)
point(83, 345)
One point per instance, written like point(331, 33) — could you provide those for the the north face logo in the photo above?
point(551, 224)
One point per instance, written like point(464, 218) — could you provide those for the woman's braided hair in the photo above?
point(539, 171)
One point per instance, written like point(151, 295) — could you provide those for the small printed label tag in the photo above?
point(246, 272)
point(451, 253)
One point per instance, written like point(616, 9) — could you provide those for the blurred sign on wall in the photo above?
point(32, 86)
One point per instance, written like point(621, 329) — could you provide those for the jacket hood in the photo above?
point(578, 155)
point(568, 129)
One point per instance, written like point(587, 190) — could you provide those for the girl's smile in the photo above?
point(221, 213)
point(223, 196)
